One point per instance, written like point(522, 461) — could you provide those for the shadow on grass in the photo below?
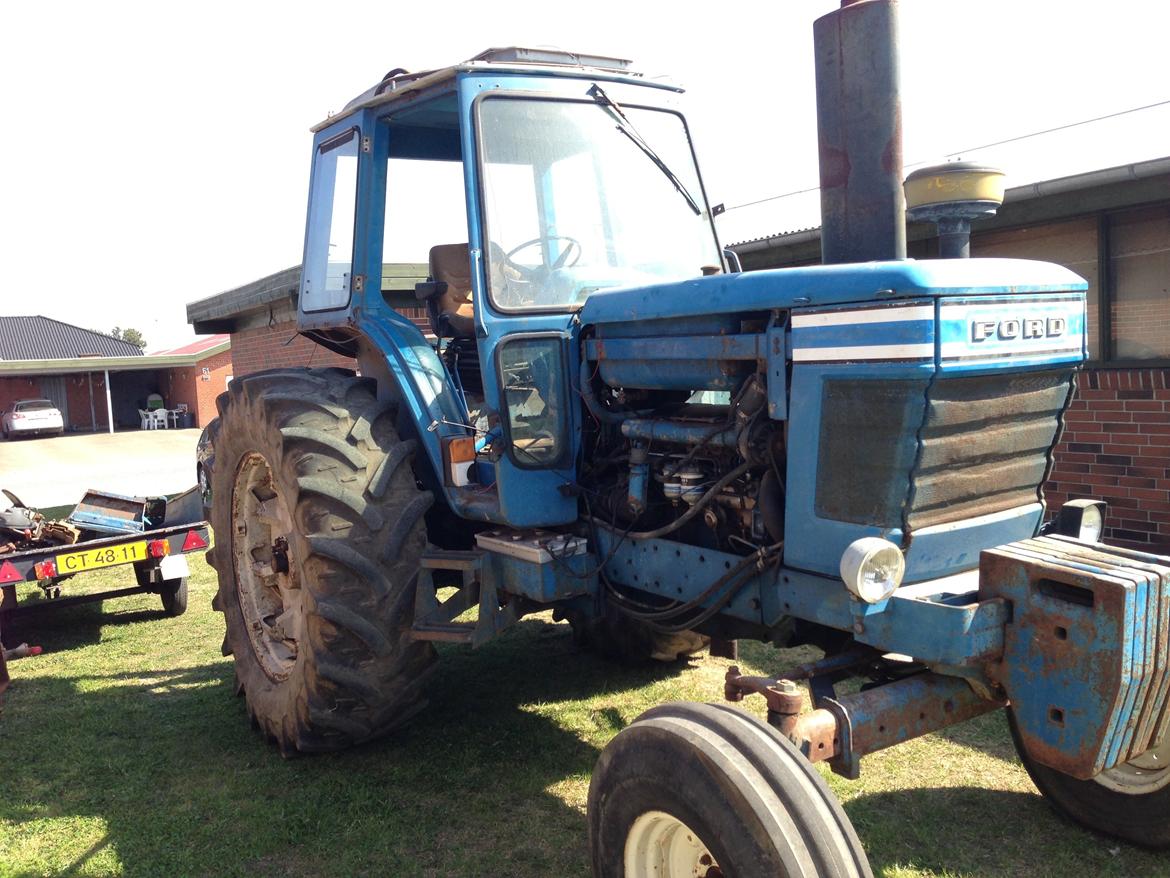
point(986, 833)
point(146, 769)
point(58, 629)
point(161, 766)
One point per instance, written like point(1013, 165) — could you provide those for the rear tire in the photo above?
point(174, 596)
point(704, 789)
point(1129, 802)
point(318, 527)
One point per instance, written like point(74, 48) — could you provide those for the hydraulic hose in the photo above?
point(585, 380)
point(694, 510)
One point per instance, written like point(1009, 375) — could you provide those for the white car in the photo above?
point(28, 417)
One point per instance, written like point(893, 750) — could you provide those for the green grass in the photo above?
point(123, 752)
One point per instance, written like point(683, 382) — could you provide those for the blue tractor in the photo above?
point(605, 420)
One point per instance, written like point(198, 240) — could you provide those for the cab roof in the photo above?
point(398, 84)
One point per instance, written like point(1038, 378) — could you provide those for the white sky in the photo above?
point(156, 153)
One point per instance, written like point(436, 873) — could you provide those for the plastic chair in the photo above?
point(158, 418)
point(145, 420)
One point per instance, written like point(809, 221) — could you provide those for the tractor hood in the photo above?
point(826, 285)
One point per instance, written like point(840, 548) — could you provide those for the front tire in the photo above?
point(319, 528)
point(704, 789)
point(1130, 802)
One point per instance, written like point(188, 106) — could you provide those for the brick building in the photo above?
point(198, 383)
point(1112, 227)
point(261, 318)
point(97, 380)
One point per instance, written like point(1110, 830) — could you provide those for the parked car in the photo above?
point(28, 417)
point(204, 462)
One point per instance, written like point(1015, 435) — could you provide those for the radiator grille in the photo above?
point(911, 454)
point(984, 445)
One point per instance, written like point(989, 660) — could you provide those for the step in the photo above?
point(440, 559)
point(456, 632)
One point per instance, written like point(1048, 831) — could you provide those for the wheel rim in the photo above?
point(659, 845)
point(204, 487)
point(1138, 777)
point(267, 584)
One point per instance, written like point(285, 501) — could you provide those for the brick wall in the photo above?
point(1116, 447)
point(198, 389)
point(276, 346)
point(12, 389)
point(77, 389)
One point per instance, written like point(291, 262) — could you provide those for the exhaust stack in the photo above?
point(859, 124)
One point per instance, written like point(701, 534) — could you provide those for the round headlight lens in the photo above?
point(1082, 520)
point(1092, 524)
point(872, 568)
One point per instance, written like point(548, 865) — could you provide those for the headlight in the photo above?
point(872, 568)
point(1082, 519)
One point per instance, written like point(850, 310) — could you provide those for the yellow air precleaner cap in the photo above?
point(954, 182)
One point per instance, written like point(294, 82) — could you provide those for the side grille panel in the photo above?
point(867, 446)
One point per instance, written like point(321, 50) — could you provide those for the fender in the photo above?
point(394, 352)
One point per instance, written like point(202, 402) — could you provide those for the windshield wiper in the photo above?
point(626, 127)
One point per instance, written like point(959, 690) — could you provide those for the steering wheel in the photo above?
point(568, 258)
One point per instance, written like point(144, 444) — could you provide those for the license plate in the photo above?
point(92, 559)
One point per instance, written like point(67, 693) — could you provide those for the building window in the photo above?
point(1072, 244)
point(1139, 265)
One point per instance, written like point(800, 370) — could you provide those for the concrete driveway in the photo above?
point(57, 470)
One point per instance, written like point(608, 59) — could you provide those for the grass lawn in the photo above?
point(123, 752)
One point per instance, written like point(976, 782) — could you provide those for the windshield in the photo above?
point(573, 204)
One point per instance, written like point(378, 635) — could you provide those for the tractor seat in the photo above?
point(448, 292)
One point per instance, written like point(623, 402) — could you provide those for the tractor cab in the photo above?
point(526, 181)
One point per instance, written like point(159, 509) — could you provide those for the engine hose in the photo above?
point(733, 578)
point(694, 510)
point(585, 388)
point(665, 613)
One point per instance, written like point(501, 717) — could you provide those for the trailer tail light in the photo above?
point(45, 569)
point(9, 573)
point(159, 548)
point(194, 541)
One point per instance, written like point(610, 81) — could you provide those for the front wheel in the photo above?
point(704, 789)
point(1130, 802)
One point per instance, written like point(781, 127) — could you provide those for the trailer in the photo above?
point(151, 535)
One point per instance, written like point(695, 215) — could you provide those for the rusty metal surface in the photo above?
point(886, 715)
point(842, 730)
point(984, 444)
point(783, 696)
point(859, 127)
point(1086, 654)
point(778, 691)
point(816, 735)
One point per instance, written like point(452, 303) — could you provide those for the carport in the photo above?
point(91, 392)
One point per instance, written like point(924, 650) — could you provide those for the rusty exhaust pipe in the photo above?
point(859, 126)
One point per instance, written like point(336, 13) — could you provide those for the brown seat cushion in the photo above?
point(450, 263)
